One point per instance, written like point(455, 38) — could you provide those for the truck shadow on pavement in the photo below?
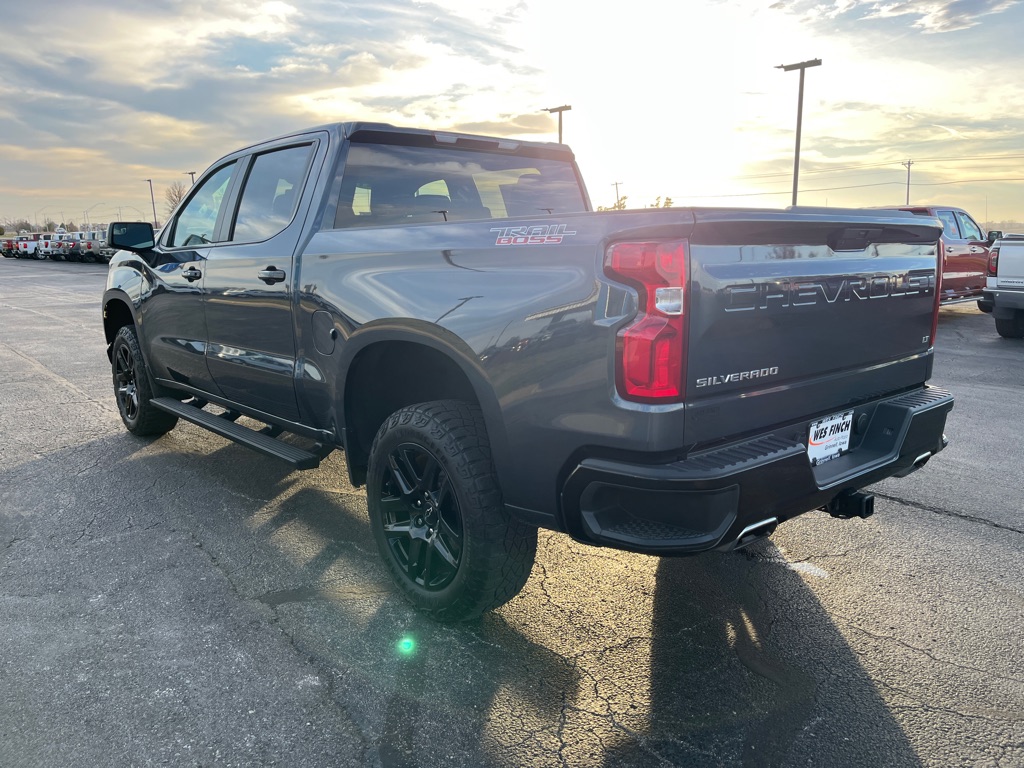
point(747, 668)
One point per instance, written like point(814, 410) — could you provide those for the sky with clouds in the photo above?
point(668, 98)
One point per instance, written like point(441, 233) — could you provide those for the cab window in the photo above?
point(971, 230)
point(197, 221)
point(271, 193)
point(390, 184)
point(949, 227)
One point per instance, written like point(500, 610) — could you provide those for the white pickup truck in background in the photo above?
point(1004, 286)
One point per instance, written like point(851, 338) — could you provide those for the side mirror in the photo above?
point(993, 235)
point(131, 235)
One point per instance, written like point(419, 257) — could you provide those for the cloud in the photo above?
point(511, 125)
point(941, 15)
point(931, 16)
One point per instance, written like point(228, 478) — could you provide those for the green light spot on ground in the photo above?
point(406, 646)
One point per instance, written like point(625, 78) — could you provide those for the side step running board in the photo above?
point(250, 438)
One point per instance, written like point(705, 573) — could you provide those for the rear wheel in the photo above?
point(437, 514)
point(1012, 328)
point(132, 388)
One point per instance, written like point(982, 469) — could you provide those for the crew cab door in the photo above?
point(249, 281)
point(964, 254)
point(174, 325)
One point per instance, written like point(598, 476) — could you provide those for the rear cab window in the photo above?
point(389, 184)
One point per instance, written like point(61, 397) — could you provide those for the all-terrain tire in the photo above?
point(438, 516)
point(1012, 328)
point(132, 388)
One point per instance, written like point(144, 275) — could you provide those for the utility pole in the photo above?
point(907, 165)
point(799, 114)
point(152, 199)
point(192, 174)
point(559, 110)
point(616, 185)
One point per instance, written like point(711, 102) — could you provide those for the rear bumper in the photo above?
point(1004, 302)
point(718, 498)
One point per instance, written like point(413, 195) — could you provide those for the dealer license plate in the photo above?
point(829, 438)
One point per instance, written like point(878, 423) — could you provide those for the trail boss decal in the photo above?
point(551, 234)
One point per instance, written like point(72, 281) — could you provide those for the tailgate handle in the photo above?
point(271, 275)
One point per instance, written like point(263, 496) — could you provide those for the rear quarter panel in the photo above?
point(533, 324)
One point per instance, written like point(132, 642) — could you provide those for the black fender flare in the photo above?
point(451, 346)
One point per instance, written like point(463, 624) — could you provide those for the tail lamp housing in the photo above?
point(993, 261)
point(651, 348)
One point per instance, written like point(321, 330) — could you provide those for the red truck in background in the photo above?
point(964, 249)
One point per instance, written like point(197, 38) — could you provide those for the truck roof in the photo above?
point(439, 136)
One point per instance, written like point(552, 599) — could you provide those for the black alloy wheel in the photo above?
point(125, 386)
point(421, 517)
point(132, 388)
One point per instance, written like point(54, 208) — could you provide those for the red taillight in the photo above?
point(651, 364)
point(993, 262)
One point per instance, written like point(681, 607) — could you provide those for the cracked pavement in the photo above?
point(182, 601)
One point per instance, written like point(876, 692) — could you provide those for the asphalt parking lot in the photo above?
point(182, 601)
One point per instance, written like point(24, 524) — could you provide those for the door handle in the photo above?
point(191, 274)
point(975, 249)
point(271, 275)
point(950, 249)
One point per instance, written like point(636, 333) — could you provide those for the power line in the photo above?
point(854, 186)
point(883, 164)
point(965, 181)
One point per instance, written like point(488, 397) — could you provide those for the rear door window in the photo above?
point(949, 227)
point(271, 193)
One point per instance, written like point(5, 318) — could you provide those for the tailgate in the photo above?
point(1010, 272)
point(799, 313)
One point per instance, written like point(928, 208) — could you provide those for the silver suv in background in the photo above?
point(1003, 295)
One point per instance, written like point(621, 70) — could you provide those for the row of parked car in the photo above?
point(61, 245)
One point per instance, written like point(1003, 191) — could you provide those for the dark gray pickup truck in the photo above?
point(494, 356)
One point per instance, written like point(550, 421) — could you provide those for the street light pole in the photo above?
point(192, 174)
point(152, 200)
point(85, 214)
point(35, 216)
point(799, 114)
point(559, 110)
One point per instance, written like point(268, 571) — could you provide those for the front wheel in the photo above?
point(437, 514)
point(132, 388)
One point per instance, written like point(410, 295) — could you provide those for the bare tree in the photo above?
point(174, 195)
